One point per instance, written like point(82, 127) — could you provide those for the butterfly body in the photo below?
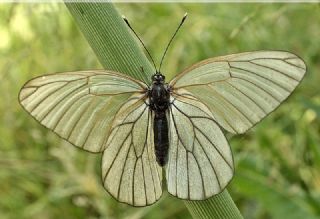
point(159, 96)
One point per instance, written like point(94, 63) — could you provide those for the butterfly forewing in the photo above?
point(200, 160)
point(79, 106)
point(129, 168)
point(243, 88)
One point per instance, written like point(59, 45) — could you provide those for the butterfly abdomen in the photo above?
point(161, 139)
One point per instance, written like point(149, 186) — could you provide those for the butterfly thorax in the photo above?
point(159, 96)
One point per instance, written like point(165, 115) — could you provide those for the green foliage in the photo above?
point(277, 162)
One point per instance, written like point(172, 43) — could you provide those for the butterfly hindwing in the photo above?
point(241, 89)
point(79, 106)
point(129, 168)
point(200, 162)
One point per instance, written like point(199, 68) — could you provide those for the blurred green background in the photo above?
point(277, 162)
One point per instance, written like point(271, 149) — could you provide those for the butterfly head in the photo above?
point(158, 78)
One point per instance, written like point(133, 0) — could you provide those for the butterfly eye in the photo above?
point(158, 77)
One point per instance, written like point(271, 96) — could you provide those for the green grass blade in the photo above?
point(110, 39)
point(117, 50)
point(220, 206)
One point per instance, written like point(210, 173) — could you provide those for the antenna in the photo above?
point(127, 22)
point(175, 33)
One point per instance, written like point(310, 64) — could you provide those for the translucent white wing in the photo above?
point(79, 106)
point(241, 89)
point(200, 162)
point(129, 169)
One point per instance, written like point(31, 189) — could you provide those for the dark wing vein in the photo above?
point(84, 112)
point(61, 102)
point(217, 109)
point(95, 123)
point(199, 129)
point(65, 96)
point(262, 89)
point(212, 166)
point(124, 140)
point(124, 165)
point(230, 103)
point(140, 154)
point(252, 100)
point(44, 98)
point(181, 182)
point(273, 69)
point(261, 76)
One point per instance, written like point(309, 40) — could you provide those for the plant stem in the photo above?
point(117, 50)
point(110, 39)
point(220, 206)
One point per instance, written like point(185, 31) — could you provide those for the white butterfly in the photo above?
point(110, 112)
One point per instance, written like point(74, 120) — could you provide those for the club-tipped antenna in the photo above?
point(127, 22)
point(175, 33)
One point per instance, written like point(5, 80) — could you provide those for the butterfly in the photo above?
point(174, 129)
